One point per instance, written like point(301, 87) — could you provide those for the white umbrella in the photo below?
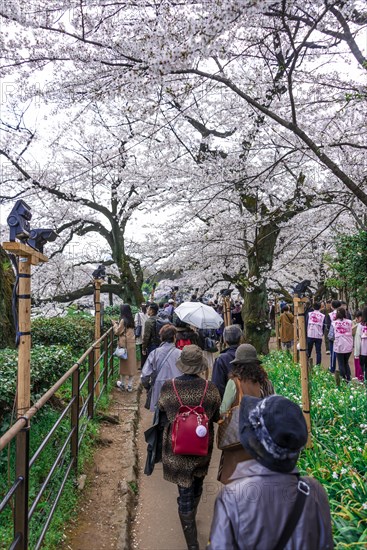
point(198, 315)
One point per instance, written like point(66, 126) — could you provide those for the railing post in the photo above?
point(91, 384)
point(111, 352)
point(21, 496)
point(75, 418)
point(105, 361)
point(97, 331)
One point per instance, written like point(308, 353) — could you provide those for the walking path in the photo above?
point(157, 525)
point(109, 500)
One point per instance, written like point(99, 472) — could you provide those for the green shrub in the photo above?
point(114, 311)
point(47, 365)
point(74, 331)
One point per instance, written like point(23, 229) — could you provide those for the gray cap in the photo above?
point(246, 353)
point(232, 334)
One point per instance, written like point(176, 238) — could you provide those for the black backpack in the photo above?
point(161, 322)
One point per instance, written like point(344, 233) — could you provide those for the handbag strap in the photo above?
point(239, 392)
point(155, 370)
point(303, 490)
point(179, 398)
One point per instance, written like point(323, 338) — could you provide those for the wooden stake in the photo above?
point(27, 257)
point(306, 406)
point(24, 348)
point(277, 325)
point(97, 333)
point(295, 329)
point(227, 311)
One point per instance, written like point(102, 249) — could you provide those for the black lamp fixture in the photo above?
point(301, 288)
point(39, 237)
point(100, 272)
point(18, 221)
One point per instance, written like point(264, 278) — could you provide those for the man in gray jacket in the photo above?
point(267, 506)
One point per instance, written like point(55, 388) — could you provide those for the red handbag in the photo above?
point(190, 429)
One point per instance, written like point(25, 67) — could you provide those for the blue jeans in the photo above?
point(317, 342)
point(332, 356)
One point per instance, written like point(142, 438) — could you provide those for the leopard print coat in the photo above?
point(182, 469)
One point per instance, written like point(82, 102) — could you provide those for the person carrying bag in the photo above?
point(189, 394)
point(267, 505)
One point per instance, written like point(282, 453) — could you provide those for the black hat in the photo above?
point(273, 430)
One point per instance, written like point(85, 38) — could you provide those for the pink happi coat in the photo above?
point(343, 342)
point(315, 324)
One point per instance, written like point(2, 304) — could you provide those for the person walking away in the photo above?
point(161, 364)
point(360, 346)
point(207, 341)
point(140, 318)
point(169, 309)
point(341, 330)
point(335, 304)
point(185, 334)
point(344, 305)
point(255, 510)
point(247, 377)
point(223, 364)
point(152, 327)
point(315, 323)
point(237, 315)
point(188, 471)
point(125, 330)
point(286, 328)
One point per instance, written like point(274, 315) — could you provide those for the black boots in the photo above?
point(196, 504)
point(189, 529)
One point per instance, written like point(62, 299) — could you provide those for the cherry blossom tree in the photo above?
point(250, 115)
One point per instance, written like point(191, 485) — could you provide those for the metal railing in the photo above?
point(80, 409)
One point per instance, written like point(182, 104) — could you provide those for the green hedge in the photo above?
point(76, 332)
point(48, 364)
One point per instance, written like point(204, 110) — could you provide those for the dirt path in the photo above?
point(102, 522)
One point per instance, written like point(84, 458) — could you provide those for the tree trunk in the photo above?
point(256, 320)
point(7, 329)
point(257, 329)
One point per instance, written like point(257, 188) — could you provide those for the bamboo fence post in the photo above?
point(97, 333)
point(295, 328)
point(227, 311)
point(277, 322)
point(306, 405)
point(27, 256)
point(24, 348)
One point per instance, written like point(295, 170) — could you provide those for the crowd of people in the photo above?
point(342, 333)
point(260, 434)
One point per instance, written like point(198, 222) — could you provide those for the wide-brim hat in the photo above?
point(245, 353)
point(192, 360)
point(273, 430)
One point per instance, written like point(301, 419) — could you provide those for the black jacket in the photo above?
point(222, 367)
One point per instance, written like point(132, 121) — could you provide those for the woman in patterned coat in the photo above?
point(188, 472)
